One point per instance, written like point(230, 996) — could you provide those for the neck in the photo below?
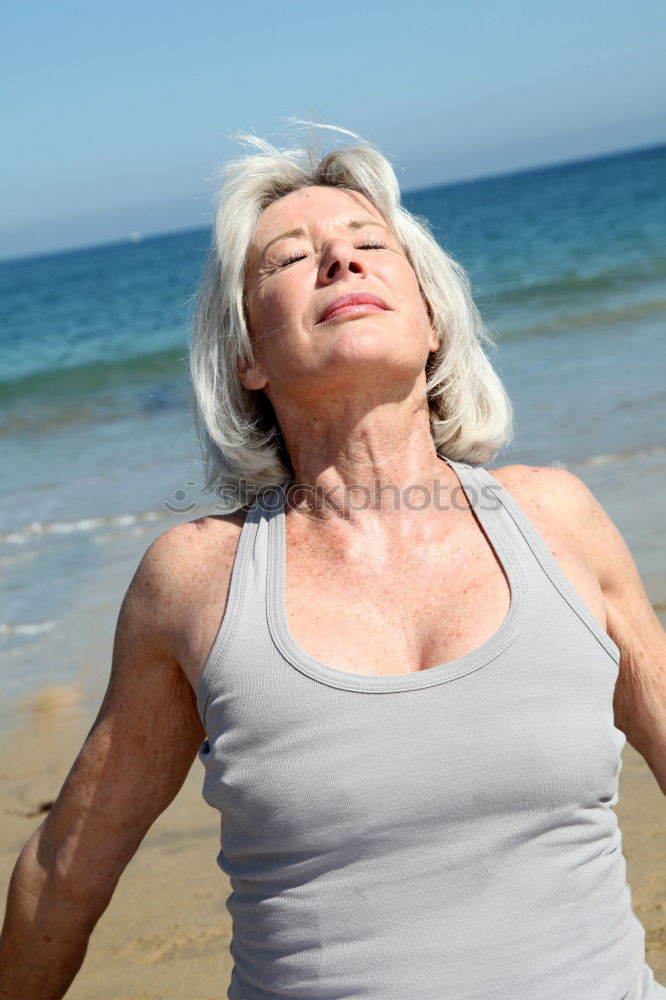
point(357, 462)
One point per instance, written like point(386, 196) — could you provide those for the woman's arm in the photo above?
point(560, 500)
point(130, 767)
point(640, 692)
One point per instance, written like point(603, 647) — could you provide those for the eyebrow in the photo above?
point(353, 225)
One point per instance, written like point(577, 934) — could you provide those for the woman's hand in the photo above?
point(130, 767)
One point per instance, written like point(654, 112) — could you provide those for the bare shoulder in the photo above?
point(549, 489)
point(182, 583)
point(180, 557)
point(558, 502)
point(567, 512)
point(597, 560)
point(570, 521)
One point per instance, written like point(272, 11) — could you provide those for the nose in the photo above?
point(338, 258)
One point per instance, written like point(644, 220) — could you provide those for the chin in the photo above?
point(374, 353)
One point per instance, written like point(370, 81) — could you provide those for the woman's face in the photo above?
point(331, 294)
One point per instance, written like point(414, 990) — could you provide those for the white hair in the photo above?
point(242, 446)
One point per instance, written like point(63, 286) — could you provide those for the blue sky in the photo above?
point(117, 114)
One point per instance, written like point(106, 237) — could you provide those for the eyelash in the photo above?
point(299, 255)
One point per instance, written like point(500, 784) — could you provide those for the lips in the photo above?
point(349, 305)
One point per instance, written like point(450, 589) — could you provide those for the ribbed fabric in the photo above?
point(439, 835)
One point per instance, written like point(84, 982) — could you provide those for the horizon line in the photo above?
point(474, 179)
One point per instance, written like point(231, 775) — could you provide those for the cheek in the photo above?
point(278, 298)
point(407, 287)
point(272, 318)
point(262, 313)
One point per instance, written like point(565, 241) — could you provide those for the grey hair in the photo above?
point(241, 442)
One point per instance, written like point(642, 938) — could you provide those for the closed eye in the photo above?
point(301, 254)
point(297, 255)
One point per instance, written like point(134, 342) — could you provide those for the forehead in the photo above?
point(324, 206)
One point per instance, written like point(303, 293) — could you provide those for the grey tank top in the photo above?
point(439, 835)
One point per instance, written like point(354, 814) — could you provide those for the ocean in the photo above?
point(567, 265)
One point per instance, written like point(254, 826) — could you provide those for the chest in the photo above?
point(383, 608)
point(401, 608)
point(528, 734)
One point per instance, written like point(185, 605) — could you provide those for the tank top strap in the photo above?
point(247, 594)
point(493, 520)
point(480, 493)
point(516, 523)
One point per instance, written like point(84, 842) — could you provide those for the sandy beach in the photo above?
point(166, 933)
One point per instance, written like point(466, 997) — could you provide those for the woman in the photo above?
point(407, 708)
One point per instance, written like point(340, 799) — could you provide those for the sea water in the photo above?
point(567, 266)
